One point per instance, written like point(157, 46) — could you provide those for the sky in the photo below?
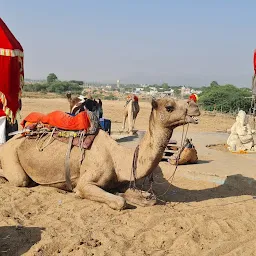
point(181, 42)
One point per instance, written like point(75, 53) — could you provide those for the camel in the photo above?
point(185, 155)
point(77, 104)
point(131, 111)
point(106, 164)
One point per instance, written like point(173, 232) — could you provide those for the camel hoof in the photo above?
point(119, 204)
point(139, 198)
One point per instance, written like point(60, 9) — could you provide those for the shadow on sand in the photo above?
point(234, 185)
point(127, 138)
point(18, 240)
point(204, 161)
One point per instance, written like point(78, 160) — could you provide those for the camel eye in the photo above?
point(169, 108)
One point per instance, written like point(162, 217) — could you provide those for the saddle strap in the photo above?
point(67, 165)
point(134, 167)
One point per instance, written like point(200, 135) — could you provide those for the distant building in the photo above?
point(168, 93)
point(118, 83)
point(195, 91)
point(138, 90)
point(185, 91)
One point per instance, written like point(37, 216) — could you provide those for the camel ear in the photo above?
point(154, 103)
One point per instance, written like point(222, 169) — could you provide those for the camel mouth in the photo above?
point(192, 119)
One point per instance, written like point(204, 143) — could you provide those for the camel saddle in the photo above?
point(79, 130)
point(82, 128)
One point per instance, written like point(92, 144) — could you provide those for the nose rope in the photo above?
point(171, 178)
point(151, 177)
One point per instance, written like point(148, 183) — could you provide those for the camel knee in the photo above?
point(18, 180)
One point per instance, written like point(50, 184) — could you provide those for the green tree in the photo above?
point(165, 86)
point(76, 82)
point(214, 83)
point(51, 78)
point(225, 97)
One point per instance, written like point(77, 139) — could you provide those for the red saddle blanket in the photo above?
point(60, 120)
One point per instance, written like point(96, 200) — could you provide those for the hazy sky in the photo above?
point(177, 41)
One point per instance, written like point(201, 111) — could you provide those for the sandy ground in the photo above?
point(200, 218)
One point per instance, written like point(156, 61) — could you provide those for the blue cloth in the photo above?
point(106, 125)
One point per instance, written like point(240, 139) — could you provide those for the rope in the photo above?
point(150, 176)
point(171, 178)
point(67, 165)
point(178, 156)
point(134, 168)
point(80, 143)
point(42, 146)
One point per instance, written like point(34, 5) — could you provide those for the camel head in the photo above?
point(170, 113)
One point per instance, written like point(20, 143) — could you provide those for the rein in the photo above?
point(150, 176)
point(171, 178)
point(67, 165)
point(134, 168)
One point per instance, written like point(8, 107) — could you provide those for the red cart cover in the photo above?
point(11, 72)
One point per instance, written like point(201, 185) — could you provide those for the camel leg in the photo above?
point(91, 191)
point(133, 123)
point(124, 120)
point(130, 123)
point(2, 174)
point(15, 175)
point(11, 168)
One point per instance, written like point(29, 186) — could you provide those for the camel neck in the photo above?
point(151, 147)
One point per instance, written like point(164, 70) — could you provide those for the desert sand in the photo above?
point(200, 218)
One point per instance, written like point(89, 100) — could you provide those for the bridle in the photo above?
point(150, 177)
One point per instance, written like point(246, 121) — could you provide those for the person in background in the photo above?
point(12, 127)
point(2, 124)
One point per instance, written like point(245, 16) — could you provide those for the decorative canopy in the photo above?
point(11, 72)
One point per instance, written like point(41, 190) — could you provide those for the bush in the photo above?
point(55, 87)
point(226, 98)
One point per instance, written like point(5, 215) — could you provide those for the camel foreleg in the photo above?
point(92, 192)
point(11, 167)
point(124, 121)
point(2, 174)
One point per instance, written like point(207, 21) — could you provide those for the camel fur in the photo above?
point(131, 111)
point(106, 164)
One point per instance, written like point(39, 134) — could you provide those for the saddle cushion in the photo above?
point(60, 120)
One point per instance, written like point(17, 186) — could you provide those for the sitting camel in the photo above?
point(131, 110)
point(78, 104)
point(185, 155)
point(106, 165)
